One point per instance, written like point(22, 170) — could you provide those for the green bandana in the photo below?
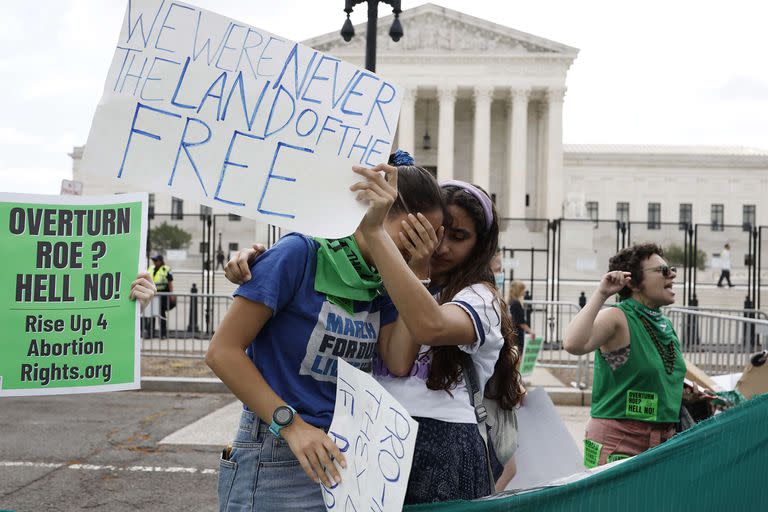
point(343, 275)
point(656, 320)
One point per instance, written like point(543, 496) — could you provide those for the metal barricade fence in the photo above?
point(719, 341)
point(185, 330)
point(718, 344)
point(549, 319)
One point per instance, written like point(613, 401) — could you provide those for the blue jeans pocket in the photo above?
point(227, 472)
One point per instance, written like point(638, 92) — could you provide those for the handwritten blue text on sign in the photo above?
point(214, 110)
point(377, 437)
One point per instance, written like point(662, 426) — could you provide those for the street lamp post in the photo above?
point(395, 31)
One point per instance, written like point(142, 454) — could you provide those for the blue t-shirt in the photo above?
point(297, 348)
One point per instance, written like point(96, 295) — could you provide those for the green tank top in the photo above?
point(641, 389)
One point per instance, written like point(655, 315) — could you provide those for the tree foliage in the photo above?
point(675, 256)
point(167, 236)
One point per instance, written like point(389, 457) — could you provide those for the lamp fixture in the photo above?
point(426, 142)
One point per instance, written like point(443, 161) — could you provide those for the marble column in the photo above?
point(406, 137)
point(517, 131)
point(445, 139)
point(554, 173)
point(481, 148)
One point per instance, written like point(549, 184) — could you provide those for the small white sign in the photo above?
point(71, 188)
point(377, 437)
point(176, 254)
point(586, 264)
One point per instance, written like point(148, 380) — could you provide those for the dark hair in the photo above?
point(631, 260)
point(417, 191)
point(505, 385)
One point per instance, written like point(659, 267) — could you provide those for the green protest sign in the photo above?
point(68, 323)
point(531, 351)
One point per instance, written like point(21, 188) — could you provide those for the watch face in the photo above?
point(283, 416)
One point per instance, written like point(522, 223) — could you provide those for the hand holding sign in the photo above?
point(143, 289)
point(378, 437)
point(378, 191)
point(315, 451)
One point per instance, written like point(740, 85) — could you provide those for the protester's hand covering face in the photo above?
point(419, 238)
point(143, 289)
point(238, 268)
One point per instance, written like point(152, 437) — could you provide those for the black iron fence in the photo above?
point(556, 259)
point(567, 262)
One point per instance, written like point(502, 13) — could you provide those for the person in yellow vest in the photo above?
point(163, 279)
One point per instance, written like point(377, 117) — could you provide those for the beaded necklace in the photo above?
point(666, 352)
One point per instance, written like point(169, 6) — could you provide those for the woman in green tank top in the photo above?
point(639, 368)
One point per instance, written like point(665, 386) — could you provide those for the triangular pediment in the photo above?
point(430, 28)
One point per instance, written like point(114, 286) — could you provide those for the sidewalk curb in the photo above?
point(183, 384)
point(558, 395)
point(569, 396)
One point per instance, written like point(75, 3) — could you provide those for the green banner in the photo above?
point(720, 464)
point(68, 323)
point(531, 351)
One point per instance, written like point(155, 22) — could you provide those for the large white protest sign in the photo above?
point(213, 110)
point(377, 437)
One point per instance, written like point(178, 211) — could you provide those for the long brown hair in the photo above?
point(445, 370)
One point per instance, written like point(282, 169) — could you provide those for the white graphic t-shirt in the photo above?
point(482, 307)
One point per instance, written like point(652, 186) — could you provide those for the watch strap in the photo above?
point(274, 428)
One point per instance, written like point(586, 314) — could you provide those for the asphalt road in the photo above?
point(101, 452)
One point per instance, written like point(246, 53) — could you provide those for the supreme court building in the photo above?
point(484, 103)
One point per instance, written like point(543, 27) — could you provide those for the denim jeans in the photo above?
point(262, 474)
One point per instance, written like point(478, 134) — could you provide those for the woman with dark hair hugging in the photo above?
point(467, 324)
point(639, 367)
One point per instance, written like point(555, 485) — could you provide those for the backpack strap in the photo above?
point(481, 413)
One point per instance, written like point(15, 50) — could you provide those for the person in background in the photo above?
point(498, 270)
point(163, 279)
point(219, 258)
point(725, 266)
point(515, 301)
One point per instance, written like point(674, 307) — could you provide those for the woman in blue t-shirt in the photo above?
point(468, 324)
point(307, 301)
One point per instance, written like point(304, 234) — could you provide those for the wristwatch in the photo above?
point(281, 418)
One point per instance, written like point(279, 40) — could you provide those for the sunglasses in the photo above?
point(663, 269)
